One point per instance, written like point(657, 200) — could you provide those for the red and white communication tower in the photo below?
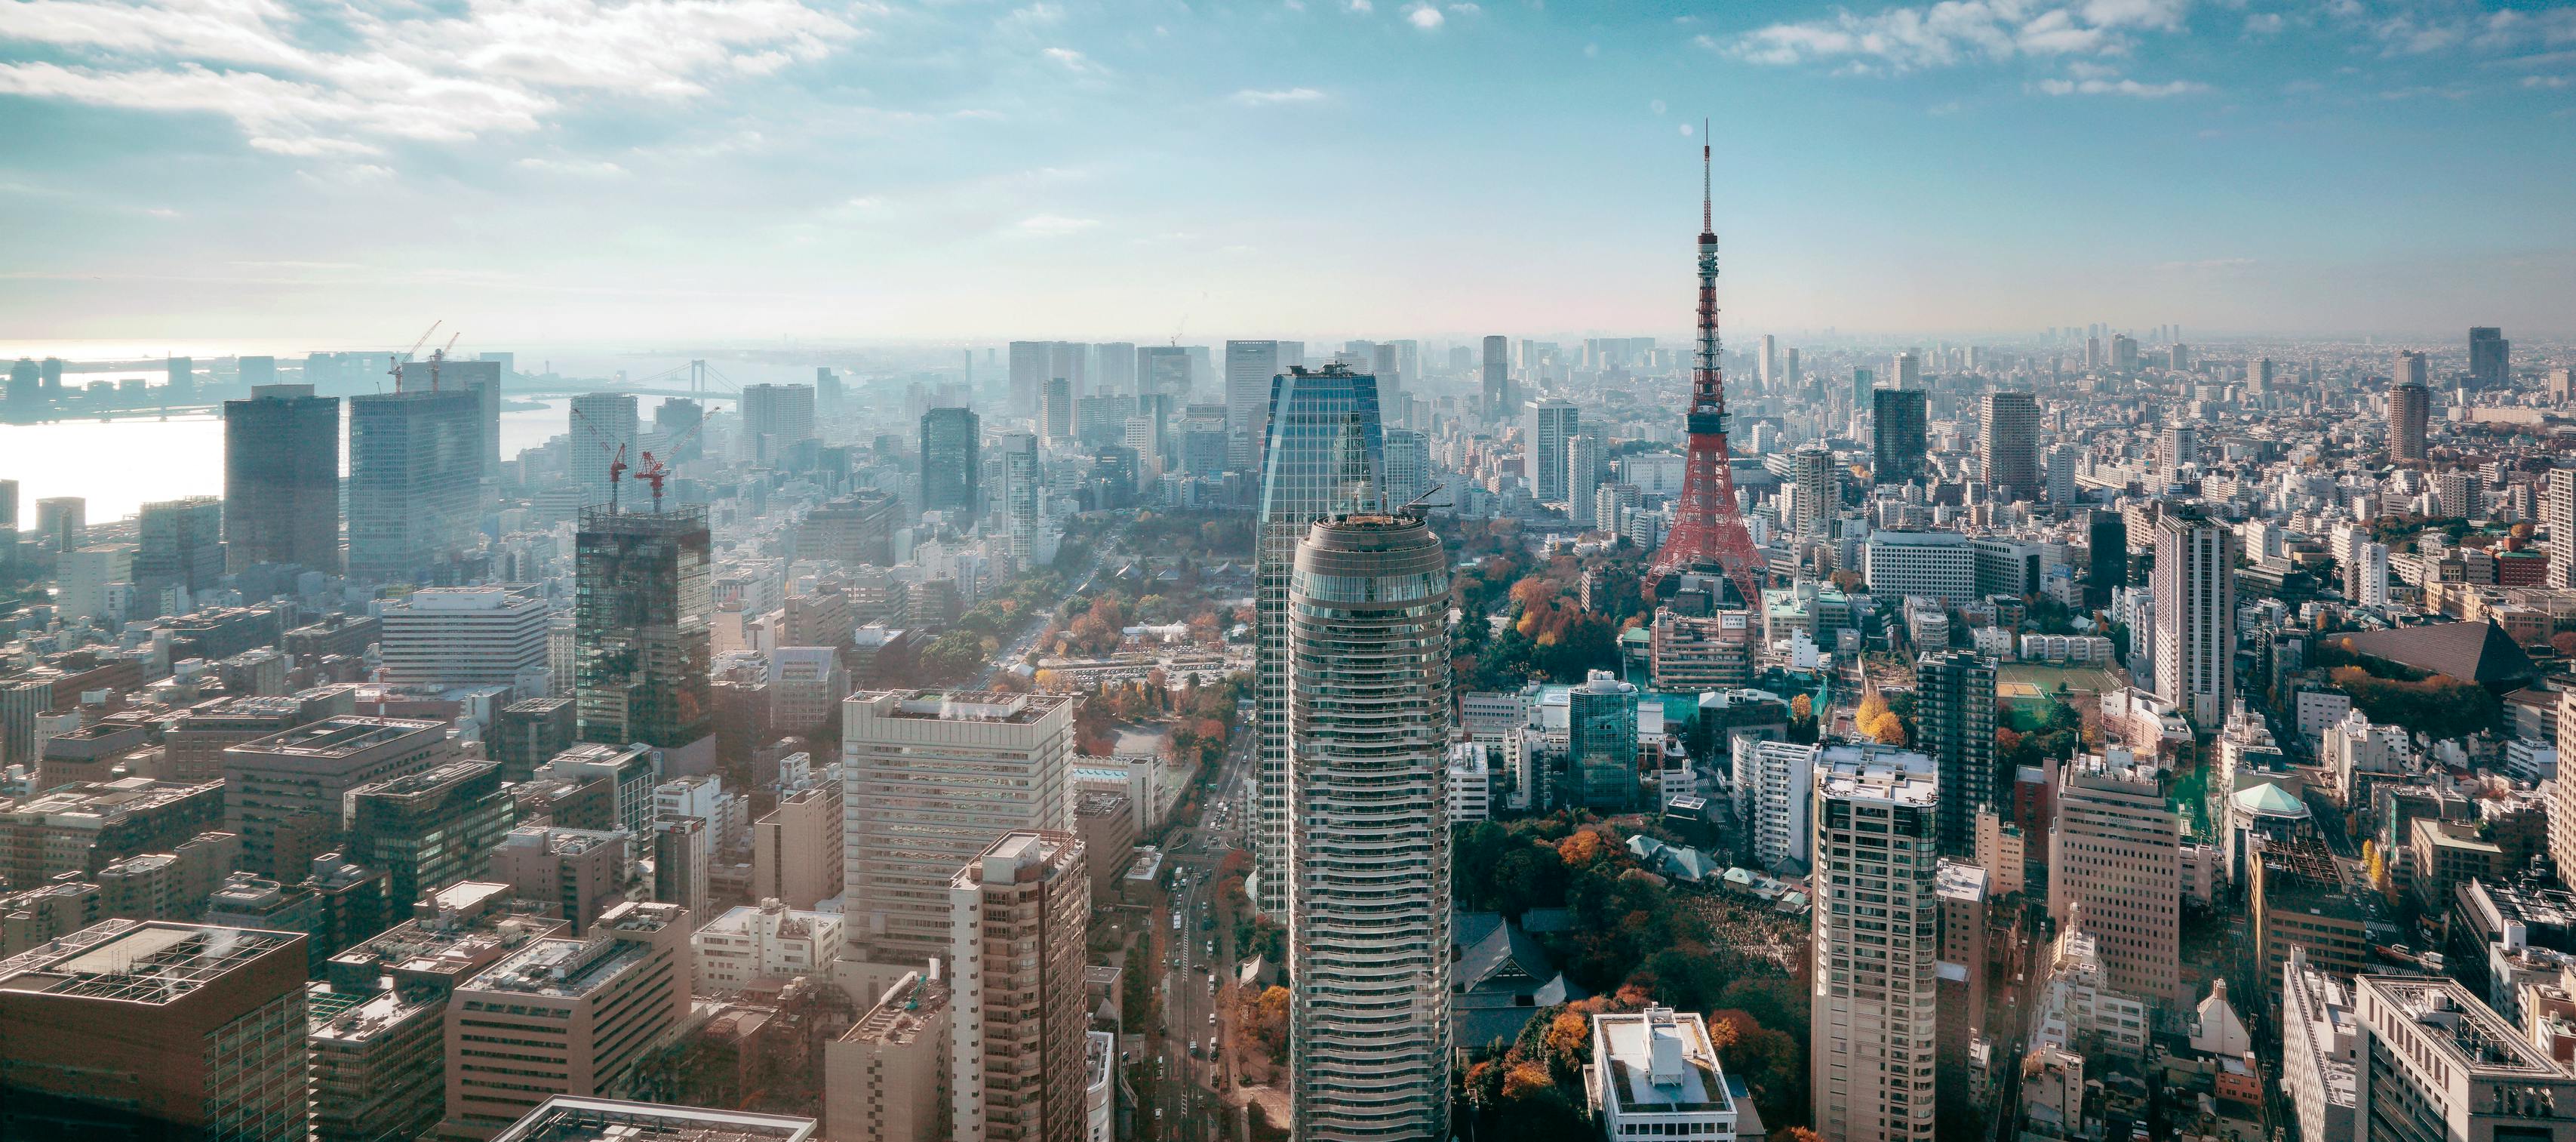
point(1707, 532)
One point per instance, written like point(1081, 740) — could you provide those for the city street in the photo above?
point(1187, 1093)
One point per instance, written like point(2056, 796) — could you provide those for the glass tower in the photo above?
point(641, 639)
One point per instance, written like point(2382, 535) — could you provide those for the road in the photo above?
point(1011, 652)
point(1199, 955)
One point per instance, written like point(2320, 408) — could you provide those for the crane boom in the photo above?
point(397, 370)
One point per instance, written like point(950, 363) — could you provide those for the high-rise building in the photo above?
point(1780, 790)
point(2008, 445)
point(2410, 407)
point(604, 429)
point(1582, 477)
point(886, 1079)
point(951, 469)
point(283, 794)
point(1548, 425)
point(796, 849)
point(2490, 358)
point(641, 627)
point(1499, 401)
point(182, 545)
point(1311, 413)
point(2106, 557)
point(2433, 1061)
point(1018, 913)
point(142, 1030)
point(1767, 366)
point(930, 778)
point(1030, 364)
point(1055, 410)
point(2060, 475)
point(1023, 495)
point(682, 848)
point(2115, 851)
point(1955, 712)
point(1408, 465)
point(429, 829)
point(774, 419)
point(1896, 435)
point(1907, 369)
point(565, 1017)
point(64, 520)
point(1249, 368)
point(855, 529)
point(1877, 945)
point(415, 480)
point(1368, 924)
point(182, 373)
point(1813, 474)
point(530, 732)
point(2558, 518)
point(1601, 745)
point(2195, 605)
point(466, 636)
point(282, 479)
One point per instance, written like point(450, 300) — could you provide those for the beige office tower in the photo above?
point(1019, 913)
point(930, 779)
point(2433, 1062)
point(2116, 850)
point(565, 1017)
point(1877, 946)
point(2195, 632)
point(886, 1079)
point(2558, 518)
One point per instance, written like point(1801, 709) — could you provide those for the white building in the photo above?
point(703, 796)
point(1550, 424)
point(1779, 781)
point(2195, 616)
point(770, 942)
point(2435, 1059)
point(1099, 1094)
point(1471, 784)
point(2079, 1003)
point(1875, 1003)
point(2319, 1044)
point(1655, 1074)
point(466, 636)
point(1936, 564)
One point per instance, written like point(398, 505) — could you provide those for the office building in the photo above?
point(1311, 415)
point(182, 546)
point(683, 849)
point(430, 829)
point(94, 582)
point(415, 481)
point(530, 732)
point(283, 793)
point(2195, 619)
point(1249, 368)
point(775, 418)
point(1545, 429)
point(1018, 911)
point(565, 1017)
point(1816, 493)
point(642, 637)
point(772, 943)
point(2558, 519)
point(1023, 496)
point(136, 1029)
point(482, 380)
point(2410, 407)
point(1897, 448)
point(1955, 714)
point(2008, 446)
point(1601, 745)
point(580, 873)
point(1582, 477)
point(84, 826)
point(1368, 926)
point(281, 479)
point(856, 529)
point(1055, 410)
point(2106, 565)
point(63, 521)
point(604, 432)
point(182, 374)
point(951, 474)
point(565, 1118)
point(2490, 358)
point(2433, 1062)
point(2298, 900)
point(930, 778)
point(1936, 564)
point(1499, 403)
point(886, 1078)
point(796, 849)
point(1876, 946)
point(1655, 1073)
point(445, 637)
point(2115, 851)
point(632, 775)
point(1031, 364)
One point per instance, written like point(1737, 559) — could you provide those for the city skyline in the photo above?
point(755, 169)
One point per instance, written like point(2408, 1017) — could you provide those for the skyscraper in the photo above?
point(1876, 943)
point(182, 545)
point(415, 480)
point(282, 479)
point(1907, 369)
point(1955, 709)
point(1369, 840)
point(1601, 745)
point(1021, 493)
point(65, 519)
point(1030, 361)
point(1896, 435)
point(775, 418)
point(483, 379)
point(1550, 423)
point(2490, 358)
point(1249, 366)
point(1499, 404)
point(2410, 407)
point(182, 380)
point(2008, 445)
point(603, 433)
point(283, 792)
point(2557, 516)
point(1310, 414)
point(1812, 473)
point(951, 475)
point(1018, 913)
point(642, 638)
point(2195, 605)
point(1582, 477)
point(466, 636)
point(2115, 850)
point(1055, 410)
point(2106, 557)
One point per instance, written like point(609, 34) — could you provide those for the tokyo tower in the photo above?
point(1707, 532)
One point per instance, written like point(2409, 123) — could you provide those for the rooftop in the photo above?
point(338, 737)
point(1659, 1061)
point(2472, 1034)
point(903, 1014)
point(153, 963)
point(566, 1118)
point(1870, 773)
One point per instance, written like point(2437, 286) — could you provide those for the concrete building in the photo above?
point(1933, 564)
point(951, 464)
point(283, 793)
point(1655, 1073)
point(2320, 1055)
point(771, 942)
point(282, 479)
point(2410, 408)
point(604, 429)
point(2298, 900)
point(2435, 1063)
point(2195, 616)
point(581, 872)
point(1695, 653)
point(466, 636)
point(2115, 851)
point(83, 827)
point(1817, 487)
point(1896, 435)
point(181, 546)
point(564, 1118)
point(886, 1078)
point(430, 829)
point(775, 418)
point(796, 848)
point(932, 778)
point(1019, 911)
point(1781, 787)
point(2008, 446)
point(156, 1030)
point(1873, 999)
point(564, 1017)
point(1547, 427)
point(1955, 713)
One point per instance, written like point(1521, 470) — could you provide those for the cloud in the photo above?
point(1054, 225)
point(1425, 17)
point(583, 168)
point(1036, 15)
point(2551, 81)
point(1954, 32)
point(2129, 87)
point(1075, 61)
point(2262, 24)
point(1252, 98)
point(1362, 7)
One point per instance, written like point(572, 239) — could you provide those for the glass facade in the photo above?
point(641, 639)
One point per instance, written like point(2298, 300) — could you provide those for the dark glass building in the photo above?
point(2108, 564)
point(641, 639)
point(282, 479)
point(415, 480)
point(1896, 435)
point(950, 481)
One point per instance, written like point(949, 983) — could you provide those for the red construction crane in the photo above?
point(653, 471)
point(616, 461)
point(397, 369)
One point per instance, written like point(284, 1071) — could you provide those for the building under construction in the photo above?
point(642, 642)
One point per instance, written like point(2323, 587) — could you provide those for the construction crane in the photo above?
point(616, 462)
point(397, 370)
point(653, 471)
point(440, 356)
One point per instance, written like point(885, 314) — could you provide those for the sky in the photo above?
point(303, 174)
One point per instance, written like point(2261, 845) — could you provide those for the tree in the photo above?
point(1581, 849)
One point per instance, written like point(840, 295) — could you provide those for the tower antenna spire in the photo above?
point(1707, 218)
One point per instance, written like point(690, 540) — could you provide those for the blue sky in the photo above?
point(567, 171)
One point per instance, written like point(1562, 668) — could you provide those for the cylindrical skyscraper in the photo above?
point(1369, 909)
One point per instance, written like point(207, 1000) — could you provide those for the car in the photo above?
point(1194, 1048)
point(1211, 1019)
